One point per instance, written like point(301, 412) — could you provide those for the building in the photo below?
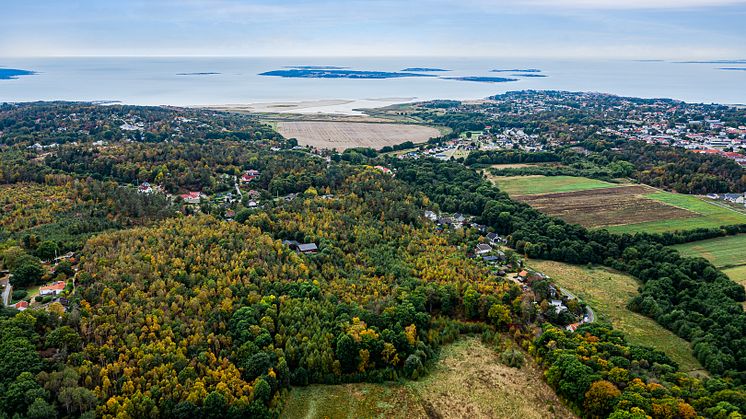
point(482, 248)
point(145, 188)
point(53, 289)
point(249, 175)
point(308, 248)
point(191, 197)
point(21, 305)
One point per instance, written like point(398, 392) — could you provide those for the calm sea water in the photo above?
point(156, 81)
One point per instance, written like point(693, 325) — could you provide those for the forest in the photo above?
point(179, 311)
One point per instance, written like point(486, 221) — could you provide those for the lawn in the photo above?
point(468, 381)
point(538, 184)
point(608, 292)
point(737, 274)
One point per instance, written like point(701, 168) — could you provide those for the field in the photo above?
point(727, 253)
point(468, 381)
point(536, 184)
point(608, 292)
point(622, 208)
point(341, 135)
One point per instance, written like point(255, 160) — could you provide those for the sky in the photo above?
point(627, 29)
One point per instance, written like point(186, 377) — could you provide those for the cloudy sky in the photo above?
point(637, 29)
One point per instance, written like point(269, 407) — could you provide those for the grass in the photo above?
point(608, 292)
point(468, 381)
point(539, 184)
point(721, 251)
point(710, 215)
point(737, 274)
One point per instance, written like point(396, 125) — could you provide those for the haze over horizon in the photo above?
point(633, 29)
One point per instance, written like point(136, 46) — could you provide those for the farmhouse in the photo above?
point(21, 305)
point(53, 289)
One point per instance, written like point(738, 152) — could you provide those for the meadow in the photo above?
point(467, 381)
point(608, 292)
point(727, 253)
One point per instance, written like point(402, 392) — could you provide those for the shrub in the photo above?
point(512, 358)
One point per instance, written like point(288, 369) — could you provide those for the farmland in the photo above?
point(727, 253)
point(608, 292)
point(341, 135)
point(622, 208)
point(467, 381)
point(536, 184)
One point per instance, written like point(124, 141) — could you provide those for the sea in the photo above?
point(189, 81)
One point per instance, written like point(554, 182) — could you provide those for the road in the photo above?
point(7, 290)
point(588, 310)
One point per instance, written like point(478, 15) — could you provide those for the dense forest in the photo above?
point(180, 311)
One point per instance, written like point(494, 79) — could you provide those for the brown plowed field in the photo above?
point(606, 207)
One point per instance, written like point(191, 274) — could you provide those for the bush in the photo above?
point(38, 298)
point(512, 358)
point(19, 295)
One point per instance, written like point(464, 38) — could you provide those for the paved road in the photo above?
point(589, 311)
point(7, 290)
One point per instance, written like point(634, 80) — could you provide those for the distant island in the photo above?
point(14, 73)
point(424, 69)
point(339, 74)
point(517, 70)
point(528, 75)
point(315, 67)
point(713, 62)
point(733, 68)
point(208, 73)
point(481, 79)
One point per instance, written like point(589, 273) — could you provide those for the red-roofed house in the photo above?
point(191, 197)
point(53, 289)
point(21, 305)
point(249, 176)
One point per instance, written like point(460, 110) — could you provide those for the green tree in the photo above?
point(26, 271)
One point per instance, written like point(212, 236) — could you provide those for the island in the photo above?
point(425, 69)
point(733, 68)
point(315, 67)
point(712, 62)
point(528, 75)
point(14, 73)
point(339, 74)
point(481, 79)
point(207, 73)
point(517, 70)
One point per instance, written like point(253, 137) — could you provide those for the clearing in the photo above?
point(468, 381)
point(620, 208)
point(343, 135)
point(608, 292)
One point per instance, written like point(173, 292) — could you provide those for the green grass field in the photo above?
point(467, 381)
point(537, 184)
point(608, 292)
point(711, 215)
point(727, 253)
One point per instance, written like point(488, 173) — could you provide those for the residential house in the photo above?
point(21, 305)
point(249, 175)
point(145, 188)
point(308, 248)
point(53, 289)
point(431, 216)
point(558, 305)
point(482, 248)
point(191, 197)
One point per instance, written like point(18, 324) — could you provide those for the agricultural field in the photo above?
point(727, 253)
point(341, 135)
point(468, 381)
point(608, 292)
point(518, 186)
point(620, 208)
